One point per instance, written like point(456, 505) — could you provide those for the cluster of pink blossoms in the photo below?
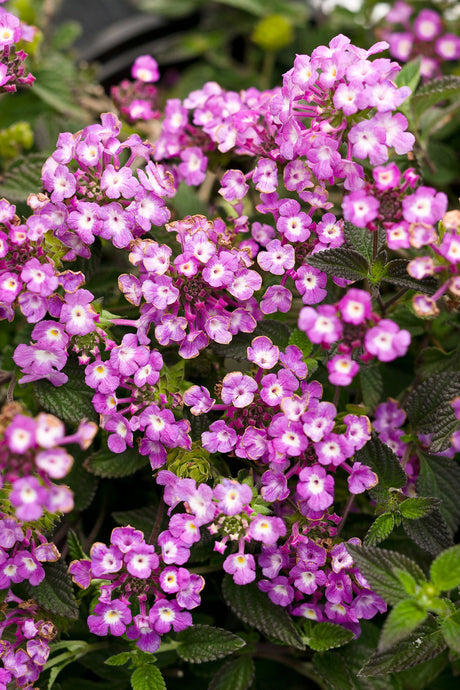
point(12, 61)
point(357, 330)
point(141, 583)
point(422, 35)
point(135, 98)
point(32, 456)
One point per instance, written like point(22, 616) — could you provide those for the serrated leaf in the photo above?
point(118, 659)
point(55, 592)
point(277, 331)
point(371, 381)
point(418, 507)
point(328, 635)
point(339, 262)
point(70, 402)
point(430, 412)
point(445, 570)
point(434, 361)
point(450, 628)
point(76, 552)
point(431, 532)
point(440, 477)
point(147, 677)
point(236, 674)
point(255, 608)
point(22, 178)
point(396, 273)
point(104, 463)
point(423, 644)
point(403, 619)
point(409, 75)
point(332, 669)
point(204, 643)
point(300, 339)
point(139, 518)
point(385, 463)
point(380, 529)
point(378, 566)
point(435, 91)
point(362, 240)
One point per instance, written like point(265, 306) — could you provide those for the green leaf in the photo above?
point(396, 273)
point(301, 340)
point(205, 643)
point(400, 622)
point(431, 532)
point(76, 552)
point(450, 628)
point(139, 518)
point(80, 481)
point(255, 608)
point(430, 412)
point(70, 402)
point(339, 262)
point(22, 178)
point(370, 377)
point(378, 567)
point(236, 674)
point(422, 645)
point(55, 592)
point(380, 529)
point(440, 477)
point(435, 361)
point(104, 463)
point(362, 240)
point(435, 91)
point(118, 659)
point(277, 331)
point(445, 570)
point(331, 667)
point(409, 75)
point(328, 635)
point(385, 463)
point(147, 677)
point(415, 508)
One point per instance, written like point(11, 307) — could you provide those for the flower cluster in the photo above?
point(12, 61)
point(423, 35)
point(135, 597)
point(32, 456)
point(351, 323)
point(136, 98)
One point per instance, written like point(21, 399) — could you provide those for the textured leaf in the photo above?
point(362, 240)
point(409, 75)
point(205, 643)
point(423, 644)
point(104, 463)
point(301, 340)
point(55, 592)
point(385, 463)
point(378, 567)
point(277, 331)
point(118, 659)
point(415, 508)
point(450, 628)
point(343, 263)
point(440, 477)
point(75, 548)
point(71, 402)
point(435, 91)
point(328, 635)
point(431, 532)
point(380, 529)
point(396, 274)
point(139, 518)
point(429, 409)
point(434, 361)
point(147, 677)
point(22, 178)
point(370, 377)
point(255, 608)
point(236, 674)
point(445, 570)
point(331, 667)
point(400, 622)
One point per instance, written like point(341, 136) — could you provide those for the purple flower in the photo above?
point(77, 314)
point(311, 284)
point(220, 438)
point(242, 566)
point(263, 353)
point(322, 325)
point(277, 258)
point(387, 341)
point(342, 369)
point(361, 478)
point(112, 616)
point(232, 496)
point(316, 487)
point(278, 590)
point(238, 389)
point(267, 529)
point(167, 614)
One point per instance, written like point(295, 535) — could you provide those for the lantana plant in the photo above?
point(232, 373)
